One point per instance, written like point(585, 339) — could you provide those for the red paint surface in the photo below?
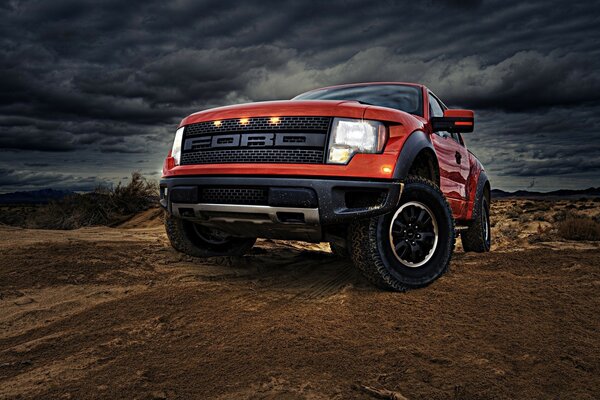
point(458, 180)
point(459, 114)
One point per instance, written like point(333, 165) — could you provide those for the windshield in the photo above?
point(401, 97)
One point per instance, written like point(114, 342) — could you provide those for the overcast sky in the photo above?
point(90, 92)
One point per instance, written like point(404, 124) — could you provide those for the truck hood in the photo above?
point(317, 108)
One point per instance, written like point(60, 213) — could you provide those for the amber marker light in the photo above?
point(217, 123)
point(244, 121)
point(274, 120)
point(386, 169)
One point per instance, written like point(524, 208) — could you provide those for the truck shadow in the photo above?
point(306, 273)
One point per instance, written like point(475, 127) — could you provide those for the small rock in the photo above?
point(158, 395)
point(24, 300)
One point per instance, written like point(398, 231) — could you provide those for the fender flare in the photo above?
point(416, 142)
point(482, 179)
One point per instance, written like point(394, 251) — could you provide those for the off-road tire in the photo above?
point(184, 238)
point(371, 249)
point(478, 236)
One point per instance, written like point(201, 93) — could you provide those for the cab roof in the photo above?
point(367, 84)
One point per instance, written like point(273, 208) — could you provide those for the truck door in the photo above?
point(453, 159)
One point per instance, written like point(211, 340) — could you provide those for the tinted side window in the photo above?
point(435, 109)
point(458, 138)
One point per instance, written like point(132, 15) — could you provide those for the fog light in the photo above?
point(339, 155)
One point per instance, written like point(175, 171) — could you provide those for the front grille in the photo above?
point(281, 156)
point(246, 196)
point(288, 140)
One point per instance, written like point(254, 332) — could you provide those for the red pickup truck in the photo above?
point(378, 170)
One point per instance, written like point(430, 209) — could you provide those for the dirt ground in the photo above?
point(116, 313)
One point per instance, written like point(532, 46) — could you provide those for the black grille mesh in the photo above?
point(287, 140)
point(260, 124)
point(246, 196)
point(283, 156)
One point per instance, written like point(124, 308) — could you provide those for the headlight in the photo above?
point(176, 150)
point(351, 136)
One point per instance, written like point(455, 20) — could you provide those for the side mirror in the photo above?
point(454, 121)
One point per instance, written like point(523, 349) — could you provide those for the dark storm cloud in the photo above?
point(36, 165)
point(27, 179)
point(107, 79)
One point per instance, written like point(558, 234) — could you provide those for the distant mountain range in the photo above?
point(497, 193)
point(42, 196)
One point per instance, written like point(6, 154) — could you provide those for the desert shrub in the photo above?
point(508, 232)
point(528, 205)
point(539, 216)
point(585, 207)
point(543, 234)
point(139, 194)
point(103, 206)
point(514, 212)
point(535, 205)
point(525, 217)
point(579, 228)
point(544, 206)
point(15, 216)
point(560, 215)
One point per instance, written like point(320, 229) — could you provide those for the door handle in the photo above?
point(458, 157)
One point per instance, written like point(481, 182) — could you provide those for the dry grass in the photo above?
point(103, 206)
point(579, 228)
point(537, 221)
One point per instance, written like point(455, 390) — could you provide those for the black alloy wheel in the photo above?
point(413, 234)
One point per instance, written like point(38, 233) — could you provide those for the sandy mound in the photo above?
point(147, 219)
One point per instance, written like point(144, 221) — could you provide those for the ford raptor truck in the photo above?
point(378, 170)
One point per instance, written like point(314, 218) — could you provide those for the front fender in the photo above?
point(416, 142)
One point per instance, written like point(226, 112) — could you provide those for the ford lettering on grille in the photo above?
point(256, 140)
point(293, 140)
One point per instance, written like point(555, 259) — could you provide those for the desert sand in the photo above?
point(117, 313)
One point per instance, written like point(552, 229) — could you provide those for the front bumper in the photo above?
point(295, 208)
